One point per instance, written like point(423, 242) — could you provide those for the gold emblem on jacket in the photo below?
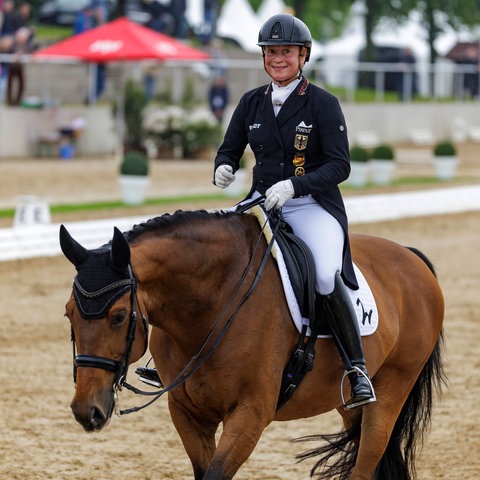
point(300, 141)
point(299, 162)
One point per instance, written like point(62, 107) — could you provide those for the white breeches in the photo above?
point(322, 233)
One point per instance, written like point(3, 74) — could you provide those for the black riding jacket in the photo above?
point(306, 143)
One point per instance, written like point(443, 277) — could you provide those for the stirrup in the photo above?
point(149, 376)
point(348, 404)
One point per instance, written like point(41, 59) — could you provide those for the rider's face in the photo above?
point(282, 62)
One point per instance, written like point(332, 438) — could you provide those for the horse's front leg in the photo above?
point(242, 429)
point(197, 435)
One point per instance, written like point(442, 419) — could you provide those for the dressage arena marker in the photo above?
point(37, 237)
point(31, 210)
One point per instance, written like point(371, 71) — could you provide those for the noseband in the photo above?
point(119, 367)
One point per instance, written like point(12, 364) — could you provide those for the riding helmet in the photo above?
point(285, 29)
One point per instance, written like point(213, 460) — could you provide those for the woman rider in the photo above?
point(298, 135)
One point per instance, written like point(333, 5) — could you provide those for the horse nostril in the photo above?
point(97, 419)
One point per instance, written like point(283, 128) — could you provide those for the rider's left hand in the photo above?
point(278, 194)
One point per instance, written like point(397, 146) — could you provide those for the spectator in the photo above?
point(178, 11)
point(218, 96)
point(6, 47)
point(99, 15)
point(470, 77)
point(7, 24)
point(83, 21)
point(209, 30)
point(22, 16)
point(161, 17)
point(149, 82)
point(406, 77)
point(16, 77)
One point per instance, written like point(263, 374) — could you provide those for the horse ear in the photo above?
point(71, 248)
point(120, 249)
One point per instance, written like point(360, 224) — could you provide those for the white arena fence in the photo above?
point(41, 240)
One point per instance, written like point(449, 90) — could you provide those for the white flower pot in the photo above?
point(134, 188)
point(382, 171)
point(445, 167)
point(359, 174)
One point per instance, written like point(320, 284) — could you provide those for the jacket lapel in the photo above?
point(266, 109)
point(294, 103)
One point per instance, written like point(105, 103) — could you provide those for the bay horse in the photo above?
point(221, 335)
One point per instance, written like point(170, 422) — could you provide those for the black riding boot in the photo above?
point(343, 322)
point(149, 376)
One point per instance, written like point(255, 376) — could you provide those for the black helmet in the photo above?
point(285, 29)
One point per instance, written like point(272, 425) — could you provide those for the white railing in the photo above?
point(67, 81)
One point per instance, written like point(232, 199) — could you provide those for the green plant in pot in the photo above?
point(445, 148)
point(134, 163)
point(359, 162)
point(383, 152)
point(134, 167)
point(359, 154)
point(445, 159)
point(382, 164)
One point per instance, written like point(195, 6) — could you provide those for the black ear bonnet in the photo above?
point(98, 284)
point(103, 274)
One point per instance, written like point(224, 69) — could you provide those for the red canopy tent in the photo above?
point(120, 40)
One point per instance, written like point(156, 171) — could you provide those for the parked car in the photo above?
point(63, 12)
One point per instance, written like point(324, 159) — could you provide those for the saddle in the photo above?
point(299, 263)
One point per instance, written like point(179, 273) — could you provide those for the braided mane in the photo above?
point(166, 221)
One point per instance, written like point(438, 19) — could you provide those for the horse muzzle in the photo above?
point(93, 408)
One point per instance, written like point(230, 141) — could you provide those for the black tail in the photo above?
point(425, 259)
point(398, 461)
point(338, 454)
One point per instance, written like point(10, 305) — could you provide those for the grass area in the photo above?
point(51, 33)
point(117, 204)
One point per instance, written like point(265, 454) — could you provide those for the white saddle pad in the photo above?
point(362, 299)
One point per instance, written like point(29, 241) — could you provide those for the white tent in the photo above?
point(238, 21)
point(268, 8)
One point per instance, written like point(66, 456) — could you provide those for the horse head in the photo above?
point(102, 310)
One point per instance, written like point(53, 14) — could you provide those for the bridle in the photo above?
point(119, 367)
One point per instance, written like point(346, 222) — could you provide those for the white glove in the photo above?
point(224, 176)
point(278, 194)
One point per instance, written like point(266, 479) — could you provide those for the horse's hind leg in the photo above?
point(378, 421)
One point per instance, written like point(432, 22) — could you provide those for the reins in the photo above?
point(196, 362)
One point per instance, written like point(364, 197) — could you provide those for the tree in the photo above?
point(437, 14)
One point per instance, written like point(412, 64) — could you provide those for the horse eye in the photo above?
point(118, 319)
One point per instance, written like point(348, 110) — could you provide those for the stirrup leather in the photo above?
point(345, 403)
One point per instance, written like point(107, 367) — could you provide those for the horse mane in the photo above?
point(168, 221)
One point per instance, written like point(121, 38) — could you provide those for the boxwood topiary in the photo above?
point(383, 152)
point(134, 163)
point(359, 154)
point(444, 148)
